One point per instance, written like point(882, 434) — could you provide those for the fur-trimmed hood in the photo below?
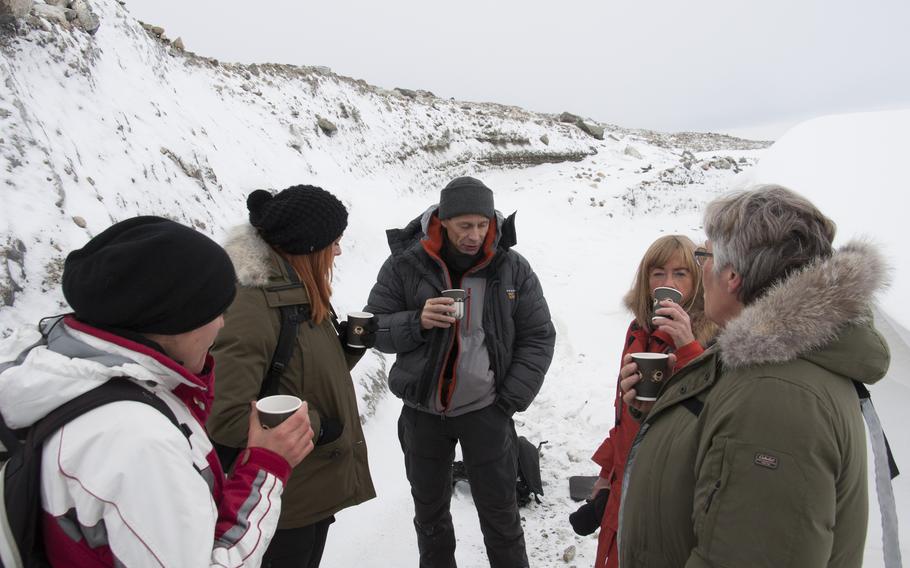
point(814, 314)
point(254, 260)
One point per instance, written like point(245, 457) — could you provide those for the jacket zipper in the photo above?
point(492, 292)
point(440, 378)
point(444, 387)
point(448, 386)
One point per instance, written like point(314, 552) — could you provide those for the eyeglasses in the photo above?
point(702, 255)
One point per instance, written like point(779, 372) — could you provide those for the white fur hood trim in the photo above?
point(807, 310)
point(252, 256)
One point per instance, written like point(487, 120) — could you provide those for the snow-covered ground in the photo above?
point(586, 256)
point(97, 129)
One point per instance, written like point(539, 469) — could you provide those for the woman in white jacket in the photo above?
point(121, 485)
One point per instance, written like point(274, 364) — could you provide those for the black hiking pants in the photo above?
point(298, 548)
point(487, 439)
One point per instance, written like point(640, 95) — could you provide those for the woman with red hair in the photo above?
point(284, 257)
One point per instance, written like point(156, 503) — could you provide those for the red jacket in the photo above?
point(612, 453)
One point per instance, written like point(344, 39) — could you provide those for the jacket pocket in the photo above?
point(326, 478)
point(402, 381)
point(749, 504)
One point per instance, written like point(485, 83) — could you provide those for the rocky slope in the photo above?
point(108, 119)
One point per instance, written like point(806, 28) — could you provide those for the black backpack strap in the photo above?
point(10, 440)
point(291, 318)
point(114, 390)
point(290, 321)
point(863, 393)
point(22, 473)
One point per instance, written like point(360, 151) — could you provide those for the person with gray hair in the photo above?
point(754, 454)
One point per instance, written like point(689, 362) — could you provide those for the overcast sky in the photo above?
point(721, 65)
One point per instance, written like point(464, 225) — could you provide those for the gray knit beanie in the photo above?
point(466, 196)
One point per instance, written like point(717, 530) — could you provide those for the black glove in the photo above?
point(587, 518)
point(329, 431)
point(367, 337)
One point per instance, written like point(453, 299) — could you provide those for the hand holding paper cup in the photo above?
point(664, 293)
point(273, 410)
point(358, 324)
point(459, 296)
point(654, 369)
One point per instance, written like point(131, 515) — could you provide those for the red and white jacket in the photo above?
point(120, 485)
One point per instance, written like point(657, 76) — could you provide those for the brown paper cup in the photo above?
point(273, 410)
point(356, 323)
point(664, 293)
point(654, 369)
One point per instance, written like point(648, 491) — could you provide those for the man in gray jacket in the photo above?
point(462, 379)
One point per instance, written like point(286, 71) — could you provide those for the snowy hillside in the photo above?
point(97, 128)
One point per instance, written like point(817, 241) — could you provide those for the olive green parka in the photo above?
point(336, 474)
point(755, 453)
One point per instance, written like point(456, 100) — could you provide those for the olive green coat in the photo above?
point(772, 471)
point(335, 475)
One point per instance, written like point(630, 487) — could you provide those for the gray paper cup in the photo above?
point(459, 296)
point(356, 323)
point(654, 368)
point(664, 293)
point(273, 410)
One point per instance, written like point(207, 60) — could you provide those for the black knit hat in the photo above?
point(149, 275)
point(466, 196)
point(300, 219)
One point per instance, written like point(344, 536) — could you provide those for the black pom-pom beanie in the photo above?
point(299, 220)
point(149, 275)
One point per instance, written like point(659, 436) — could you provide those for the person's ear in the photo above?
point(734, 283)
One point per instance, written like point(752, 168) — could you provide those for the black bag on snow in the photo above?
point(529, 480)
point(21, 542)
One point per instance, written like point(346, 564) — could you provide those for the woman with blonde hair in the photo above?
point(677, 328)
point(283, 259)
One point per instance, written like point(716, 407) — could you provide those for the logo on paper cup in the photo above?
point(358, 330)
point(657, 376)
